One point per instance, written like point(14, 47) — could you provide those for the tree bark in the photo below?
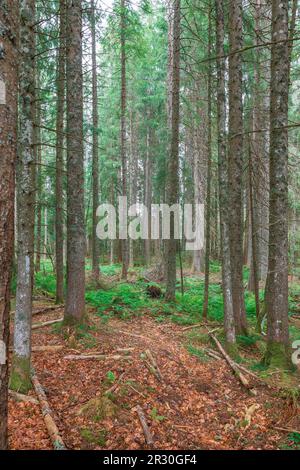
point(76, 244)
point(208, 183)
point(125, 254)
point(235, 152)
point(173, 163)
point(8, 149)
point(95, 165)
point(276, 295)
point(20, 374)
point(59, 219)
point(229, 325)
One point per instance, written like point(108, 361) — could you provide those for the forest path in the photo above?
point(199, 405)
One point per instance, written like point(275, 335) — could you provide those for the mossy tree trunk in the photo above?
point(20, 373)
point(276, 295)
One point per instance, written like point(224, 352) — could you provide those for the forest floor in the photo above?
point(198, 403)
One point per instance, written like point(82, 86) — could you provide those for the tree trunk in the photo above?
point(173, 163)
point(235, 152)
point(208, 182)
point(8, 150)
point(20, 374)
point(59, 219)
point(223, 178)
point(76, 244)
point(276, 295)
point(95, 169)
point(125, 254)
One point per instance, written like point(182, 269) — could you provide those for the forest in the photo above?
point(149, 225)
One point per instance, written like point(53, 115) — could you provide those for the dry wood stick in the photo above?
point(103, 357)
point(230, 361)
point(154, 365)
point(21, 397)
point(46, 323)
point(146, 430)
point(53, 431)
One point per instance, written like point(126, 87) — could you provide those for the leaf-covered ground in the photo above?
point(199, 404)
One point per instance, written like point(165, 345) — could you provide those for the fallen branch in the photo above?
point(53, 431)
point(146, 430)
point(46, 323)
point(287, 429)
point(50, 308)
point(21, 397)
point(153, 365)
point(115, 386)
point(132, 334)
point(46, 348)
point(230, 361)
point(102, 357)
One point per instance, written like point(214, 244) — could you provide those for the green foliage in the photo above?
point(155, 416)
point(110, 377)
point(199, 353)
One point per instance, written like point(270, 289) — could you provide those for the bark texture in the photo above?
point(59, 219)
point(276, 295)
point(235, 153)
point(223, 178)
point(8, 118)
point(173, 163)
point(76, 243)
point(20, 374)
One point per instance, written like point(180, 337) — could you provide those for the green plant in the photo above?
point(155, 416)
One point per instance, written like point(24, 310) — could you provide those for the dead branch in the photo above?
point(21, 397)
point(230, 361)
point(46, 323)
point(103, 357)
point(53, 431)
point(146, 430)
point(153, 365)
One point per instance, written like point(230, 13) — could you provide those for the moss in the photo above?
point(277, 355)
point(99, 408)
point(20, 380)
point(232, 350)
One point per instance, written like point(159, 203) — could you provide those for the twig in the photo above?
point(46, 323)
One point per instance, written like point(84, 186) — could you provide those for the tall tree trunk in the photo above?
point(125, 254)
point(95, 169)
point(235, 152)
point(173, 163)
point(223, 178)
point(38, 150)
point(208, 183)
point(8, 149)
point(148, 193)
point(76, 244)
point(276, 294)
point(20, 374)
point(59, 219)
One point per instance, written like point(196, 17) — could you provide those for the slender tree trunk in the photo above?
point(95, 169)
point(76, 244)
point(38, 149)
point(223, 178)
point(148, 194)
point(8, 150)
point(276, 294)
point(125, 254)
point(235, 152)
point(59, 219)
point(208, 183)
point(20, 374)
point(172, 174)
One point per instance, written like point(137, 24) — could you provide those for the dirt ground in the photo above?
point(196, 405)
